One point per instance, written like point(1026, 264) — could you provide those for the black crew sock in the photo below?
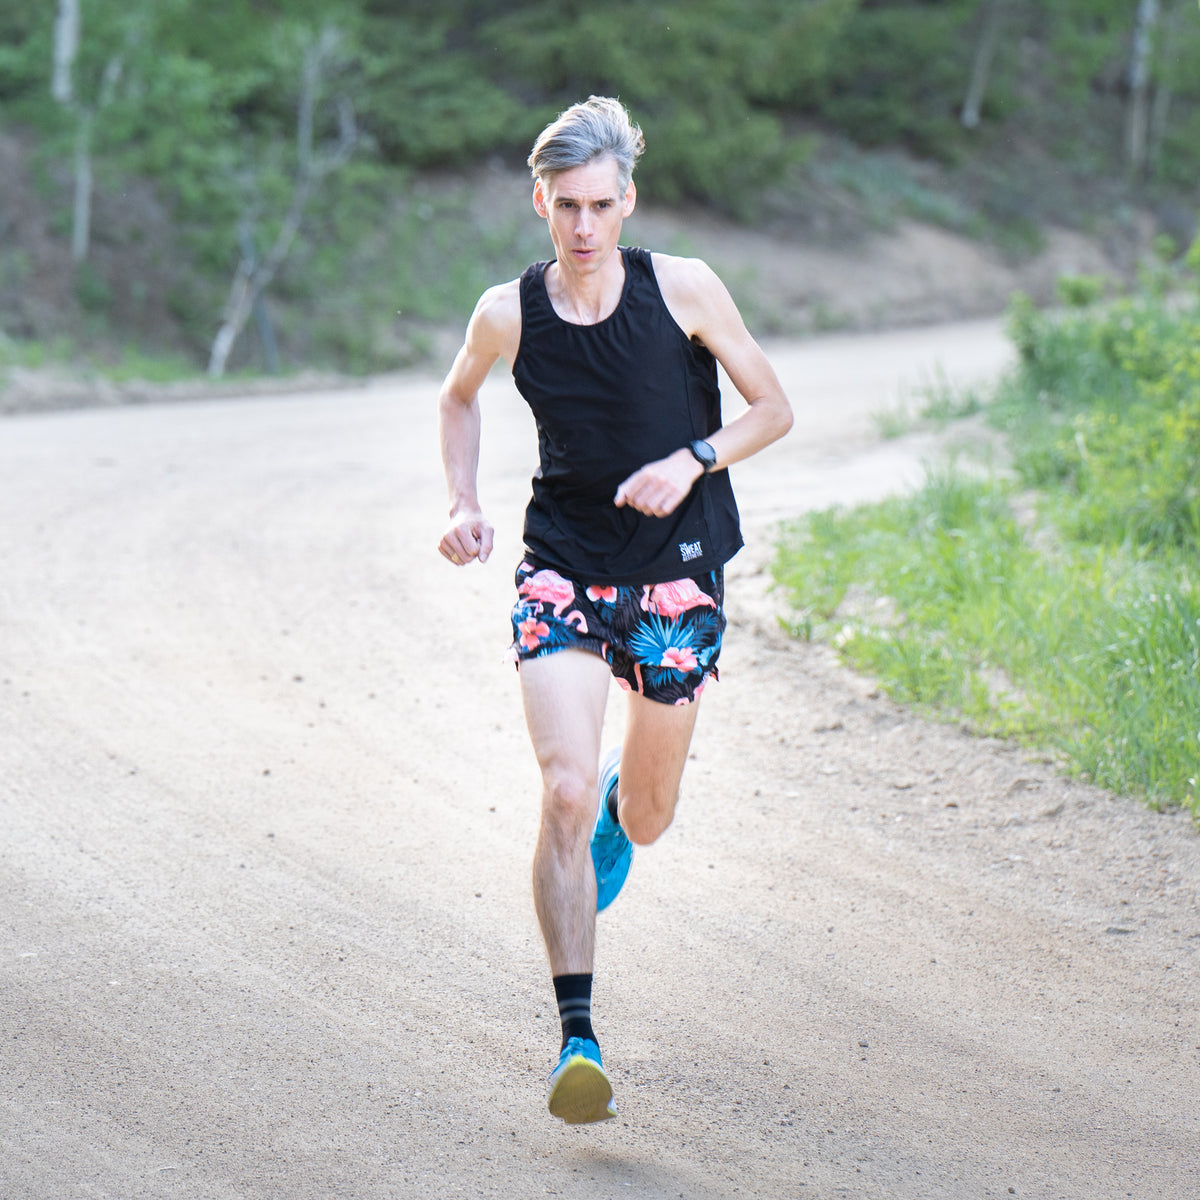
point(611, 804)
point(610, 801)
point(574, 996)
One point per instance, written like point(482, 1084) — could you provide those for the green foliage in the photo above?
point(1123, 385)
point(92, 289)
point(889, 189)
point(24, 51)
point(713, 81)
point(200, 99)
point(896, 74)
point(1081, 629)
point(1081, 291)
point(430, 99)
point(685, 71)
point(1090, 40)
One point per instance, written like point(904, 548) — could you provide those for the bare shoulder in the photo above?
point(694, 295)
point(495, 326)
point(680, 276)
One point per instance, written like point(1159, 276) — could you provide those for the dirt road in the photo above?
point(267, 930)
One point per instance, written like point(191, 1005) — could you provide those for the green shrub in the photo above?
point(1077, 629)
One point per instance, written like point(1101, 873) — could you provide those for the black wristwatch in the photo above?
point(704, 454)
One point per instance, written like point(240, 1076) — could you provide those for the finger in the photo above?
point(486, 539)
point(468, 542)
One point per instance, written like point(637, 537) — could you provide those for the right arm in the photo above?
point(494, 331)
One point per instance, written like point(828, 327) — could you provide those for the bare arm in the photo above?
point(703, 309)
point(493, 332)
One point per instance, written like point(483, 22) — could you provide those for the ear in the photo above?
point(630, 200)
point(539, 199)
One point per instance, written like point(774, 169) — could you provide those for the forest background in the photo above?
point(254, 186)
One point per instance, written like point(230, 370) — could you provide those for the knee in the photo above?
point(646, 816)
point(568, 804)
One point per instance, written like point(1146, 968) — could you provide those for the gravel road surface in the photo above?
point(267, 811)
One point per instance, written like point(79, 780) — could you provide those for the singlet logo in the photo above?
point(691, 550)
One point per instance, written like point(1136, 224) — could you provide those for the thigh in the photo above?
point(655, 749)
point(564, 695)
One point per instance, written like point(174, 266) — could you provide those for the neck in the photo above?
point(586, 299)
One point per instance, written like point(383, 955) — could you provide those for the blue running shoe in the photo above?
point(579, 1089)
point(612, 851)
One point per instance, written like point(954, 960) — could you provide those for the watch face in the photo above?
point(704, 454)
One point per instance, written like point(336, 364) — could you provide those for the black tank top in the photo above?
point(609, 398)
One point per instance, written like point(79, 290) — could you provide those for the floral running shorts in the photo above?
point(661, 640)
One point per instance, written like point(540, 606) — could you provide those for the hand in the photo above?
point(468, 538)
point(658, 488)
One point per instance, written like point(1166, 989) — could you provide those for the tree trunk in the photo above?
point(1139, 84)
point(81, 217)
point(985, 49)
point(254, 275)
point(67, 32)
point(62, 88)
point(66, 47)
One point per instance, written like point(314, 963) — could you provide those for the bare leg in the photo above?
point(564, 696)
point(657, 737)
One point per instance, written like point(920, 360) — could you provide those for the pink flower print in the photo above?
point(681, 658)
point(532, 632)
point(671, 599)
point(549, 587)
point(607, 594)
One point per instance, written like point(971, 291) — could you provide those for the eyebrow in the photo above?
point(579, 200)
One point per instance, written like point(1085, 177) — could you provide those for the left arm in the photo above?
point(704, 310)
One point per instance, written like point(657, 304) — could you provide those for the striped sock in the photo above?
point(574, 995)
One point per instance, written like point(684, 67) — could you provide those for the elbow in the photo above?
point(450, 404)
point(784, 418)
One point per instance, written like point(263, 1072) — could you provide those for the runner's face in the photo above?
point(585, 207)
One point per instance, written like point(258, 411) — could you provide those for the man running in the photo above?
point(631, 521)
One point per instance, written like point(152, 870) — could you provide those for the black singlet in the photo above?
point(609, 398)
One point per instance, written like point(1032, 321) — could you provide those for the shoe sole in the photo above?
point(581, 1093)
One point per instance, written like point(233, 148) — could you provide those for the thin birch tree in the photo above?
point(68, 32)
point(981, 65)
point(1140, 67)
point(314, 163)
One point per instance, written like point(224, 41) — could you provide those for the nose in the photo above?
point(583, 224)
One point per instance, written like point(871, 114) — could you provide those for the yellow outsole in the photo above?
point(580, 1093)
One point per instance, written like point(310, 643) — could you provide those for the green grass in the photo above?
point(1060, 606)
point(888, 189)
point(936, 404)
point(123, 366)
